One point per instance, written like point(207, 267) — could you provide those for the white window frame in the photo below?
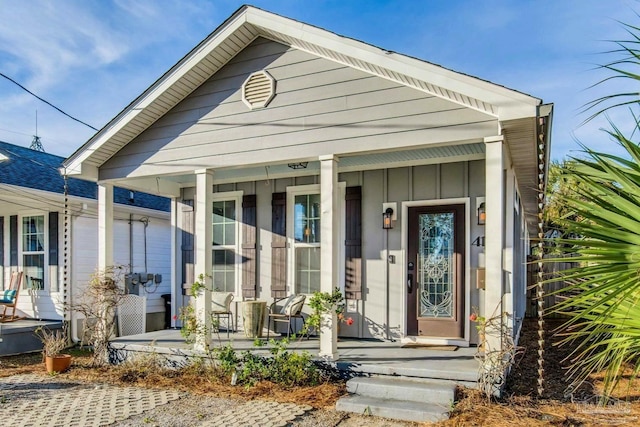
point(300, 190)
point(235, 196)
point(45, 251)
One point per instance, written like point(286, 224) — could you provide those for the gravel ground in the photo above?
point(195, 410)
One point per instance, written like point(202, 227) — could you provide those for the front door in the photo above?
point(435, 269)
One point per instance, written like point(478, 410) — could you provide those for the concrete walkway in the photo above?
point(34, 401)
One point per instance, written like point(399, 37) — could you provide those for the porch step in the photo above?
point(399, 398)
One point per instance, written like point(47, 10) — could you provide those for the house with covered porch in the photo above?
point(298, 160)
point(48, 232)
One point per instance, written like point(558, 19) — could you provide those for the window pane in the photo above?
point(307, 270)
point(224, 223)
point(299, 217)
point(306, 218)
point(230, 234)
point(33, 233)
point(218, 234)
point(34, 271)
point(224, 270)
point(230, 210)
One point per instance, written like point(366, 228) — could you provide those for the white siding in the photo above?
point(85, 253)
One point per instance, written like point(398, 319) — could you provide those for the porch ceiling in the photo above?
point(377, 160)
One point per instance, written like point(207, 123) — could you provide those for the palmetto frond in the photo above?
point(602, 296)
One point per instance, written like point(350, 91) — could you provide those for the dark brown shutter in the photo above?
point(353, 243)
point(188, 229)
point(249, 246)
point(13, 240)
point(53, 238)
point(279, 245)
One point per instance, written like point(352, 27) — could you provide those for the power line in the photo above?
point(45, 101)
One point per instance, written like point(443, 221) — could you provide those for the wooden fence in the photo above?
point(550, 270)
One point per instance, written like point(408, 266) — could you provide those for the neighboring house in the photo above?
point(284, 144)
point(35, 237)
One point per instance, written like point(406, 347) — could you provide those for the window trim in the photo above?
point(45, 252)
point(237, 248)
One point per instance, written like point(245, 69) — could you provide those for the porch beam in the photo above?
point(105, 226)
point(203, 262)
point(494, 241)
point(330, 232)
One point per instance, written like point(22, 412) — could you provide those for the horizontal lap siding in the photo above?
point(317, 103)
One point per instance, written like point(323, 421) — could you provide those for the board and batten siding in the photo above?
point(424, 182)
point(321, 107)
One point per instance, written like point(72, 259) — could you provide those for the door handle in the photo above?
point(410, 283)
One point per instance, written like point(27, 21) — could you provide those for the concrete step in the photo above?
point(405, 389)
point(393, 409)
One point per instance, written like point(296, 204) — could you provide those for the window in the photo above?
point(225, 244)
point(306, 234)
point(33, 250)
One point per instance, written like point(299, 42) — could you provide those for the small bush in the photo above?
point(282, 367)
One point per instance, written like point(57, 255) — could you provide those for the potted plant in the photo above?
point(54, 343)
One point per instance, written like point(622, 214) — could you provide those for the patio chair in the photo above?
point(291, 309)
point(9, 297)
point(221, 307)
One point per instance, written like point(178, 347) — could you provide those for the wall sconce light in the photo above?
point(482, 214)
point(387, 216)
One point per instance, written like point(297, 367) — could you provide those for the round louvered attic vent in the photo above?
point(258, 89)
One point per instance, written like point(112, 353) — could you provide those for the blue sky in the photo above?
point(91, 57)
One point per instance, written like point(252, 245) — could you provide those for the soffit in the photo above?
point(368, 161)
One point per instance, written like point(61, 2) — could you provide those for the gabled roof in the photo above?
point(248, 23)
point(23, 167)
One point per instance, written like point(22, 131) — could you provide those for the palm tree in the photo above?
point(602, 296)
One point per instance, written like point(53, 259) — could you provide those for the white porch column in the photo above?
point(174, 261)
point(105, 226)
point(203, 263)
point(329, 232)
point(494, 240)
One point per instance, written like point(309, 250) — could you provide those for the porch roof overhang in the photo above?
point(248, 23)
point(523, 137)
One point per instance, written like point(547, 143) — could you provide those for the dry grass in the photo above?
point(198, 380)
point(520, 407)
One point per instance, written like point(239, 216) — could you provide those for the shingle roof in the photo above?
point(34, 169)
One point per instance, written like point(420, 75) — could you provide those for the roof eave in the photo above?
point(503, 103)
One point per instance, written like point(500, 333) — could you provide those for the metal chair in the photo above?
point(221, 307)
point(291, 309)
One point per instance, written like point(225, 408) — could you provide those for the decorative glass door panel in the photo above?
point(435, 265)
point(435, 271)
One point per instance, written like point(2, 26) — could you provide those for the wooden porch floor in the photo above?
point(359, 356)
point(18, 337)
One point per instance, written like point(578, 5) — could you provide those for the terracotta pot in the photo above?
point(57, 364)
